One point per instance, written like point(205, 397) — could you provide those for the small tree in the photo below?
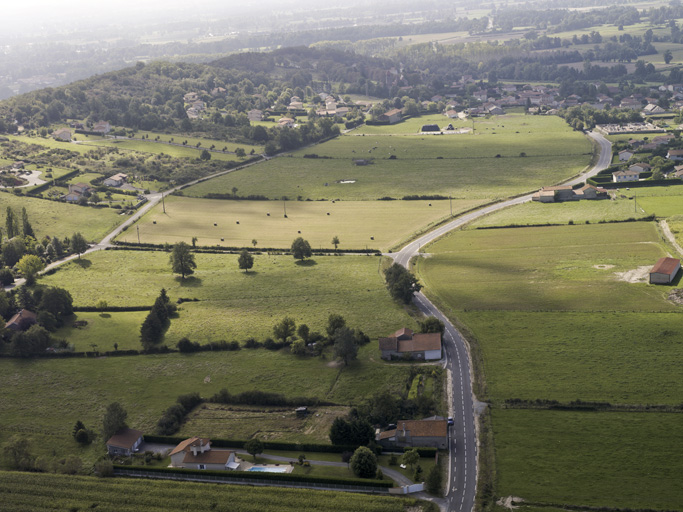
point(334, 323)
point(114, 419)
point(254, 447)
point(17, 453)
point(411, 457)
point(364, 462)
point(301, 249)
point(298, 348)
point(194, 242)
point(401, 283)
point(78, 244)
point(254, 242)
point(432, 324)
point(285, 329)
point(434, 480)
point(303, 332)
point(182, 260)
point(205, 155)
point(30, 265)
point(245, 260)
point(335, 242)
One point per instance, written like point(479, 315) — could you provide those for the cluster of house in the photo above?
point(567, 193)
point(192, 453)
point(632, 173)
point(196, 106)
point(65, 135)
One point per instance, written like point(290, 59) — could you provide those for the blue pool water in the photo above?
point(260, 469)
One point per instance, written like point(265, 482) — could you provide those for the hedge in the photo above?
point(636, 184)
point(48, 184)
point(110, 309)
point(264, 476)
point(272, 445)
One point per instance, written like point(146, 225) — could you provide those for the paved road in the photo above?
point(462, 471)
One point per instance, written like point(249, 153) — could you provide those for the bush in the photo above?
point(364, 463)
point(6, 277)
point(104, 468)
point(186, 346)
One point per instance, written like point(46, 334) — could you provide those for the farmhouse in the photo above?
point(651, 108)
point(76, 191)
point(567, 193)
point(196, 453)
point(62, 134)
point(405, 343)
point(410, 433)
point(640, 167)
point(21, 321)
point(393, 116)
point(665, 270)
point(623, 176)
point(116, 180)
point(102, 127)
point(125, 442)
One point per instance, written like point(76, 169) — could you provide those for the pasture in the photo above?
point(589, 459)
point(103, 330)
point(578, 212)
point(358, 224)
point(565, 268)
point(580, 355)
point(232, 304)
point(52, 218)
point(45, 492)
point(507, 155)
point(158, 148)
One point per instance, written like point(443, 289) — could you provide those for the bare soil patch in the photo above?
point(676, 296)
point(637, 275)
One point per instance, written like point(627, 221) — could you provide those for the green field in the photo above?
point(53, 218)
point(23, 492)
point(104, 329)
point(358, 224)
point(590, 459)
point(534, 213)
point(145, 146)
point(676, 227)
point(233, 305)
point(546, 268)
point(461, 166)
point(581, 355)
point(43, 398)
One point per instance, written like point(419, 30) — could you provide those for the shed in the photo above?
point(430, 128)
point(125, 442)
point(665, 270)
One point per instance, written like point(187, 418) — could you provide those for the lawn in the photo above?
point(234, 305)
point(404, 163)
point(546, 268)
point(587, 356)
point(267, 423)
point(358, 224)
point(590, 459)
point(53, 218)
point(104, 329)
point(46, 492)
point(663, 205)
point(577, 212)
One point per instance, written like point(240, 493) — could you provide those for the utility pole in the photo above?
point(635, 201)
point(163, 203)
point(284, 205)
point(450, 199)
point(138, 233)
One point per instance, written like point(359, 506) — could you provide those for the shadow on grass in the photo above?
point(105, 315)
point(251, 273)
point(190, 281)
point(306, 263)
point(83, 263)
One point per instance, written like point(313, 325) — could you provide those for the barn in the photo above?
point(665, 270)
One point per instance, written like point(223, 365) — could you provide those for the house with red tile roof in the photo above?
point(411, 433)
point(406, 343)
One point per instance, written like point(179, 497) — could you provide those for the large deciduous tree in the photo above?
point(301, 249)
point(254, 447)
point(401, 283)
point(345, 346)
point(114, 419)
point(182, 260)
point(245, 260)
point(78, 244)
point(364, 463)
point(284, 329)
point(30, 265)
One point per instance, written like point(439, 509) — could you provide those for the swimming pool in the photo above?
point(271, 469)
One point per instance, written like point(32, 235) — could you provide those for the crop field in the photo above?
point(268, 423)
point(591, 459)
point(44, 397)
point(53, 218)
point(546, 268)
point(405, 163)
point(358, 224)
point(578, 212)
point(234, 305)
point(37, 492)
point(581, 355)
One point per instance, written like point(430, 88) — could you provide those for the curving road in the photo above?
point(462, 468)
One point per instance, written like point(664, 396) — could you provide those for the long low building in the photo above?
point(412, 433)
point(404, 343)
point(665, 270)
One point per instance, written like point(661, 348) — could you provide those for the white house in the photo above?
point(675, 154)
point(196, 453)
point(625, 155)
point(116, 180)
point(62, 134)
point(624, 176)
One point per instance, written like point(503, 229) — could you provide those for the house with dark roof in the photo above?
point(196, 453)
point(406, 343)
point(21, 321)
point(126, 441)
point(665, 270)
point(411, 433)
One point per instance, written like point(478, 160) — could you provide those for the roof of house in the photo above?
point(625, 173)
point(24, 314)
point(625, 151)
point(677, 152)
point(665, 266)
point(187, 443)
point(420, 342)
point(560, 187)
point(81, 185)
point(392, 112)
point(125, 438)
point(208, 457)
point(642, 165)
